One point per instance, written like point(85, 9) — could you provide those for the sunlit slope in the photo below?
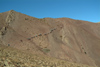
point(10, 57)
point(63, 38)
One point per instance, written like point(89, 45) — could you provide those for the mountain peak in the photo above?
point(63, 38)
point(11, 10)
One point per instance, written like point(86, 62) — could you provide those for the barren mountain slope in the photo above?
point(72, 40)
point(10, 57)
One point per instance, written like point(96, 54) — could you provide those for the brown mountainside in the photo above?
point(63, 38)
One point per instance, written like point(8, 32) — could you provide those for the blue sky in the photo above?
point(88, 10)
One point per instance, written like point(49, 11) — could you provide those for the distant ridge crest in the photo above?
point(10, 16)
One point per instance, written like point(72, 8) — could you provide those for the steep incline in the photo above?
point(64, 38)
point(10, 57)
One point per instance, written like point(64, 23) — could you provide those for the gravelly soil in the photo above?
point(10, 57)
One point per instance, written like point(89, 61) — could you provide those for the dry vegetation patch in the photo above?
point(10, 57)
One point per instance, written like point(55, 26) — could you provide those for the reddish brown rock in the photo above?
point(72, 40)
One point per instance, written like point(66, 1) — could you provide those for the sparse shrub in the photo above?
point(51, 30)
point(28, 49)
point(40, 34)
point(45, 47)
point(85, 52)
point(26, 18)
point(8, 44)
point(46, 50)
point(82, 48)
point(21, 40)
point(45, 34)
point(36, 36)
point(61, 36)
point(29, 38)
point(54, 28)
point(33, 37)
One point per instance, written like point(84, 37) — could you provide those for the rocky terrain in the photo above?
point(68, 40)
point(10, 57)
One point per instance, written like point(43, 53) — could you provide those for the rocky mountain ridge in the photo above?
point(63, 38)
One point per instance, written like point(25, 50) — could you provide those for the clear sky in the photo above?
point(88, 10)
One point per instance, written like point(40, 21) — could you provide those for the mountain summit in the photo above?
point(66, 39)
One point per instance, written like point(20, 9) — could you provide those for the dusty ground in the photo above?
point(63, 38)
point(10, 57)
